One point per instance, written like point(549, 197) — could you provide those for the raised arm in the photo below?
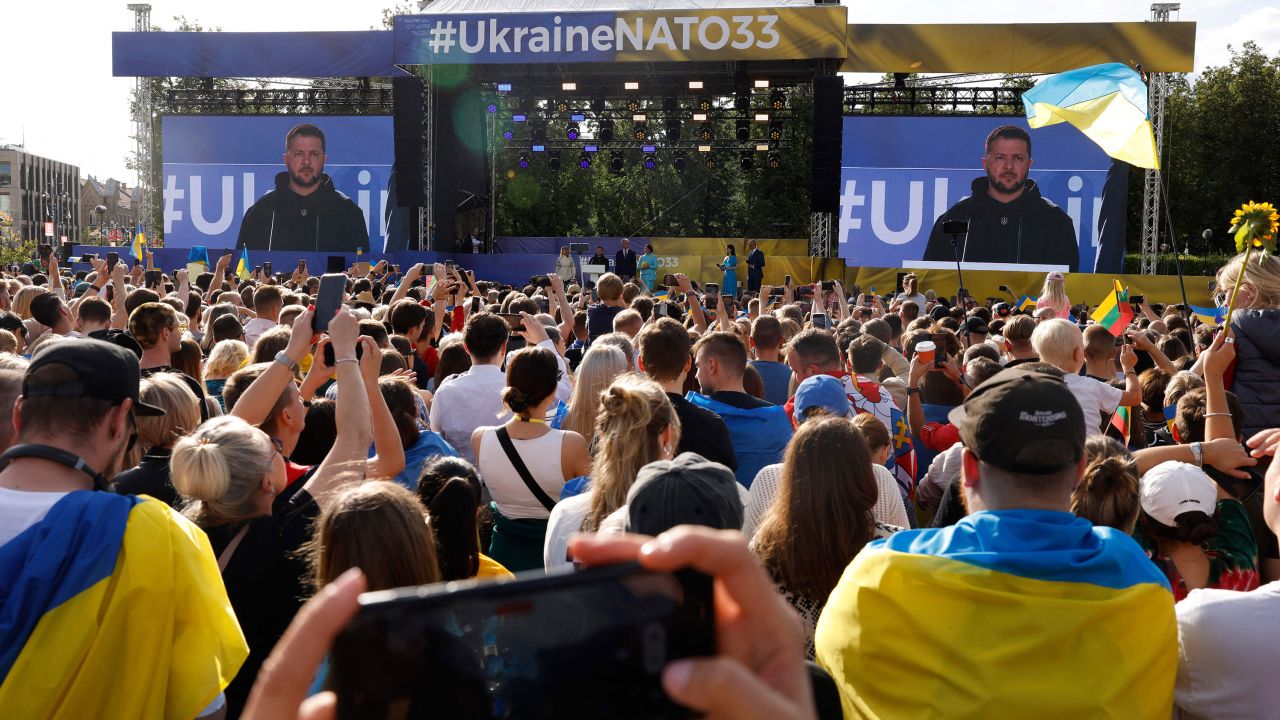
point(1217, 414)
point(1142, 342)
point(406, 282)
point(1132, 396)
point(255, 403)
point(119, 315)
point(843, 302)
point(566, 311)
point(388, 459)
point(347, 459)
point(695, 306)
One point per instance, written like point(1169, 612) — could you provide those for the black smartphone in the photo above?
point(941, 341)
point(449, 264)
point(154, 278)
point(395, 269)
point(787, 281)
point(113, 257)
point(335, 264)
point(711, 293)
point(88, 257)
point(329, 357)
point(595, 295)
point(333, 286)
point(266, 266)
point(820, 320)
point(564, 645)
point(828, 285)
point(1137, 299)
point(1122, 340)
point(777, 292)
point(1004, 288)
point(540, 281)
point(670, 280)
point(515, 321)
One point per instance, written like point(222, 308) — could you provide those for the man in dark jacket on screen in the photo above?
point(304, 211)
point(1009, 221)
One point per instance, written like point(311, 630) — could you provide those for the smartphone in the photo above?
point(1122, 340)
point(333, 286)
point(777, 292)
point(820, 320)
point(1137, 299)
point(448, 264)
point(266, 266)
point(711, 293)
point(591, 643)
point(395, 269)
point(544, 303)
point(660, 309)
point(329, 358)
point(670, 280)
point(595, 296)
point(113, 257)
point(828, 285)
point(787, 281)
point(1004, 288)
point(336, 264)
point(942, 341)
point(540, 281)
point(88, 257)
point(515, 321)
point(154, 278)
point(302, 264)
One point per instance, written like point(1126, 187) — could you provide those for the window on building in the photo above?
point(4, 202)
point(6, 174)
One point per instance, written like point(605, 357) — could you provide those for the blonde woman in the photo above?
point(600, 367)
point(22, 307)
point(1253, 325)
point(156, 437)
point(1053, 295)
point(226, 357)
point(636, 426)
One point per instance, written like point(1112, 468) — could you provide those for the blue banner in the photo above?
point(900, 174)
point(217, 167)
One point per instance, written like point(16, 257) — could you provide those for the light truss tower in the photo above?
point(1158, 89)
point(820, 235)
point(142, 127)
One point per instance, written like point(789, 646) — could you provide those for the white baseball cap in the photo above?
point(1172, 488)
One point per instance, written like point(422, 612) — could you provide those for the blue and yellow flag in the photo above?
point(1108, 103)
point(139, 248)
point(1027, 303)
point(242, 265)
point(1214, 316)
point(1005, 614)
point(113, 606)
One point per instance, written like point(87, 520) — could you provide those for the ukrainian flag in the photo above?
point(139, 244)
point(1010, 614)
point(1027, 303)
point(1214, 316)
point(242, 265)
point(1108, 103)
point(112, 606)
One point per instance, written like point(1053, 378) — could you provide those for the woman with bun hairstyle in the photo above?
point(524, 462)
point(234, 476)
point(450, 489)
point(636, 425)
point(1108, 493)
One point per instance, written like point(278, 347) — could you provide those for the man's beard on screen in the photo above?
point(1009, 188)
point(300, 182)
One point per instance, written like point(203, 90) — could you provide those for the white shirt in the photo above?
point(540, 455)
point(1227, 643)
point(918, 299)
point(467, 401)
point(255, 328)
point(566, 519)
point(20, 509)
point(888, 510)
point(1095, 398)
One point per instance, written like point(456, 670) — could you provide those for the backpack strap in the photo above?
point(504, 439)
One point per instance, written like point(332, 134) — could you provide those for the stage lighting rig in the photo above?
point(742, 129)
point(606, 131)
point(572, 131)
point(640, 131)
point(538, 134)
point(630, 85)
point(633, 105)
point(650, 160)
point(508, 134)
point(562, 106)
point(679, 159)
point(553, 160)
point(774, 160)
point(673, 131)
point(616, 162)
point(709, 160)
point(742, 103)
point(777, 99)
point(775, 131)
point(706, 132)
point(745, 161)
point(584, 160)
point(523, 160)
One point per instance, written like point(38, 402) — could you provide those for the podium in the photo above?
point(591, 272)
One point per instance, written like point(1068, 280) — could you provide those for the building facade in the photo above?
point(108, 211)
point(41, 195)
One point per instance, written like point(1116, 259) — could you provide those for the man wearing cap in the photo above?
point(688, 490)
point(1021, 609)
point(94, 581)
point(975, 331)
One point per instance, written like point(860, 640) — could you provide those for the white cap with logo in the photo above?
point(1172, 488)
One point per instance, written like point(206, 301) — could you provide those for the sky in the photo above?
point(60, 97)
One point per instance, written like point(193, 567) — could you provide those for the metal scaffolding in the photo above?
point(1158, 89)
point(820, 235)
point(142, 128)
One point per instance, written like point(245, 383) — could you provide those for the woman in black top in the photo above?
point(256, 522)
point(156, 436)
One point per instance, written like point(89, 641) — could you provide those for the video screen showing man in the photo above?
point(304, 211)
point(1009, 221)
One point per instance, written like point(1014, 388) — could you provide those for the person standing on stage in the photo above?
point(755, 266)
point(649, 268)
point(729, 285)
point(564, 266)
point(624, 262)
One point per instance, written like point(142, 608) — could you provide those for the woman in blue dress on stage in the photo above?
point(648, 268)
point(729, 284)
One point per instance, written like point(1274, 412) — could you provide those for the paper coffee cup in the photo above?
point(925, 351)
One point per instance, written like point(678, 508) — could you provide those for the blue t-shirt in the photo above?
point(777, 380)
point(429, 445)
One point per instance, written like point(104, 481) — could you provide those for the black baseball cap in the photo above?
point(1002, 309)
point(689, 490)
point(103, 371)
point(976, 325)
point(1022, 421)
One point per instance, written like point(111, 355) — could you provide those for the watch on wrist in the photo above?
point(1197, 452)
point(284, 360)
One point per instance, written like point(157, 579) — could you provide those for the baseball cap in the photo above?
point(825, 392)
point(103, 371)
point(1022, 421)
point(1002, 309)
point(689, 490)
point(976, 325)
point(1172, 488)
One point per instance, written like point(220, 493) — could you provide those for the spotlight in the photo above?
point(746, 161)
point(762, 117)
point(606, 131)
point(775, 131)
point(673, 131)
point(679, 160)
point(523, 160)
point(630, 86)
point(508, 134)
point(705, 131)
point(774, 160)
point(650, 161)
point(584, 160)
point(777, 99)
point(695, 84)
point(699, 117)
point(504, 87)
point(562, 105)
point(568, 87)
point(710, 160)
point(640, 131)
point(741, 103)
point(616, 162)
point(762, 147)
point(704, 104)
point(633, 105)
point(762, 84)
point(553, 160)
point(491, 108)
point(742, 129)
point(572, 131)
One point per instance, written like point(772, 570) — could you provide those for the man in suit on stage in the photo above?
point(624, 262)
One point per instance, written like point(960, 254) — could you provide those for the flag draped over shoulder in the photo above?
point(1108, 103)
point(1019, 613)
point(1114, 312)
point(85, 633)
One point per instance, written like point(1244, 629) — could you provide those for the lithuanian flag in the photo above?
point(1114, 312)
point(1123, 422)
point(1108, 103)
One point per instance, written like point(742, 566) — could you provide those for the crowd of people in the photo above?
point(912, 504)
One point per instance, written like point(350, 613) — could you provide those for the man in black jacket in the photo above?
point(304, 211)
point(624, 262)
point(1009, 221)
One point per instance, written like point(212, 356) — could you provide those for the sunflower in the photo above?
point(1256, 225)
